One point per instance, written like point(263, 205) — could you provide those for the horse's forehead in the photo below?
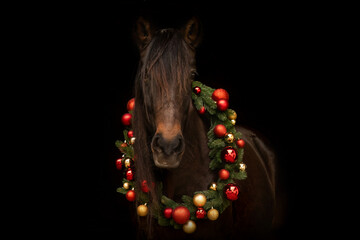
point(164, 30)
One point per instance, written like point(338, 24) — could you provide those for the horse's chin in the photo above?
point(165, 161)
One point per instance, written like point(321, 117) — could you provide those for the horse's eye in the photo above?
point(194, 73)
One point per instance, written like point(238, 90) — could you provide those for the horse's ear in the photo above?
point(192, 32)
point(143, 32)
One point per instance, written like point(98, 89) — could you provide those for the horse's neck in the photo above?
point(193, 174)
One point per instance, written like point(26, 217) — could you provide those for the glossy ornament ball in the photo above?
point(240, 143)
point(202, 110)
point(130, 195)
point(126, 119)
point(213, 186)
point(224, 174)
point(222, 105)
point(219, 94)
point(168, 212)
point(181, 215)
point(189, 227)
point(197, 90)
point(199, 200)
point(229, 155)
point(128, 162)
point(231, 191)
point(242, 167)
point(142, 210)
point(119, 163)
point(130, 133)
point(122, 147)
point(213, 214)
point(129, 174)
point(200, 213)
point(229, 137)
point(130, 104)
point(144, 186)
point(126, 185)
point(232, 115)
point(233, 122)
point(220, 130)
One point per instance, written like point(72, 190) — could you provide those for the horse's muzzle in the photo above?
point(167, 153)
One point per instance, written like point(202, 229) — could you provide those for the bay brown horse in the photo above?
point(171, 141)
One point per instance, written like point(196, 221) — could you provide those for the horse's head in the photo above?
point(163, 87)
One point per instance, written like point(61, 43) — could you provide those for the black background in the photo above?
point(260, 54)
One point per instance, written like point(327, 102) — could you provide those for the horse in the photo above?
point(171, 141)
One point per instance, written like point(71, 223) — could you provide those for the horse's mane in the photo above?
point(167, 61)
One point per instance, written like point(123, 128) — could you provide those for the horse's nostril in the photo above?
point(155, 143)
point(179, 147)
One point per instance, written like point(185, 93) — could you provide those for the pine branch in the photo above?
point(218, 143)
point(168, 202)
point(118, 144)
point(122, 190)
point(143, 197)
point(222, 116)
point(187, 199)
point(125, 132)
point(237, 135)
point(239, 175)
point(162, 221)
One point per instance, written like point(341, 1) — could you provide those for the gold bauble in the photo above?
point(199, 200)
point(127, 162)
point(232, 115)
point(189, 226)
point(242, 166)
point(132, 140)
point(213, 214)
point(213, 186)
point(229, 137)
point(142, 210)
point(233, 122)
point(126, 185)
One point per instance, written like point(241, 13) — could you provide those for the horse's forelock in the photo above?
point(168, 61)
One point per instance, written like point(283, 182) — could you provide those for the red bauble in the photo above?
point(181, 215)
point(200, 213)
point(229, 155)
point(202, 110)
point(224, 174)
point(219, 94)
point(131, 104)
point(130, 195)
point(240, 143)
point(130, 134)
point(231, 191)
point(220, 130)
point(168, 212)
point(126, 119)
point(122, 146)
point(119, 163)
point(144, 186)
point(129, 174)
point(197, 90)
point(222, 105)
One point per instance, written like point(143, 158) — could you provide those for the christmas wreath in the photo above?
point(226, 149)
